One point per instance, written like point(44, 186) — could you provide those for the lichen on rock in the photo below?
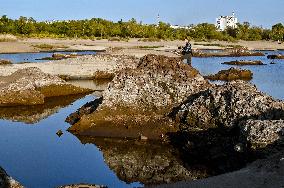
point(141, 96)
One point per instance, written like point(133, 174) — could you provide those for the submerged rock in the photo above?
point(231, 74)
point(243, 63)
point(8, 182)
point(140, 97)
point(227, 105)
point(30, 86)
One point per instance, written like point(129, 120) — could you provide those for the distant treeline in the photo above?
point(99, 28)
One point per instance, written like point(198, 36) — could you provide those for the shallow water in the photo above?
point(35, 156)
point(32, 153)
point(268, 78)
point(33, 57)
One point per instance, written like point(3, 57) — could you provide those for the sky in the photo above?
point(176, 12)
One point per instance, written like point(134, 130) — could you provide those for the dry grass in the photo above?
point(7, 38)
point(48, 46)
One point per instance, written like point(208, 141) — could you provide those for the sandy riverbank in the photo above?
point(133, 46)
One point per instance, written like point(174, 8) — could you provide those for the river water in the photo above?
point(34, 57)
point(32, 153)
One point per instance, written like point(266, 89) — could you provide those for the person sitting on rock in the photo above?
point(187, 52)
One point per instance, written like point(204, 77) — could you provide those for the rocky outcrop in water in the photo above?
point(279, 56)
point(140, 98)
point(83, 186)
point(242, 63)
point(227, 105)
point(8, 182)
point(231, 74)
point(31, 86)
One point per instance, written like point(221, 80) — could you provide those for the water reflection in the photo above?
point(33, 57)
point(34, 114)
point(150, 162)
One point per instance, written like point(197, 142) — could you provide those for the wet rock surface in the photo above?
point(140, 97)
point(31, 86)
point(242, 63)
point(231, 74)
point(8, 182)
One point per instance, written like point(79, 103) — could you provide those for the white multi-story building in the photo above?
point(224, 22)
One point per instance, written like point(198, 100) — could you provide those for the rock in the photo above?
point(143, 138)
point(234, 52)
point(226, 106)
point(103, 75)
point(279, 56)
point(140, 97)
point(259, 133)
point(231, 74)
point(30, 86)
point(5, 62)
point(8, 182)
point(83, 186)
point(59, 133)
point(88, 108)
point(244, 63)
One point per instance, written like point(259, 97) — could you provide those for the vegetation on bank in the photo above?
point(98, 28)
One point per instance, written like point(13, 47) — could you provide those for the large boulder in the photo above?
point(30, 86)
point(227, 105)
point(140, 98)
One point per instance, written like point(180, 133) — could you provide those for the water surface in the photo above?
point(268, 78)
point(33, 57)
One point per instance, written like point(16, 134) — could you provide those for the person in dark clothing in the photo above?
point(187, 52)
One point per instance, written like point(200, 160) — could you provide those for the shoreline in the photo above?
point(33, 45)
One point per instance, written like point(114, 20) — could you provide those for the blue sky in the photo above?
point(183, 12)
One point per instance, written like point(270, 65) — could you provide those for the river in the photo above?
point(32, 153)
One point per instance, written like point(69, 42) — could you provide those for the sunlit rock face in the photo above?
point(140, 98)
point(145, 162)
point(30, 86)
point(227, 105)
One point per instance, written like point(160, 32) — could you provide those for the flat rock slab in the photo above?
point(31, 86)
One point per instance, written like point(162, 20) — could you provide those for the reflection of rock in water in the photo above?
point(33, 114)
point(146, 162)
